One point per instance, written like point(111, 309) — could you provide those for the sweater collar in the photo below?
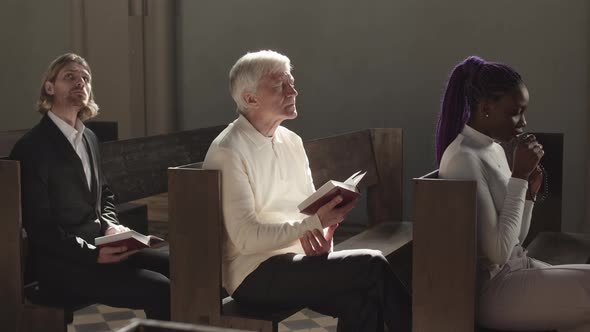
point(254, 135)
point(477, 136)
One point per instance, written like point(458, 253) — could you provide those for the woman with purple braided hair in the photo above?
point(485, 103)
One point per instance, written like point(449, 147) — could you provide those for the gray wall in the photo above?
point(383, 63)
point(32, 33)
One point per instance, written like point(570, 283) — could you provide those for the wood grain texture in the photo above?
point(11, 282)
point(157, 207)
point(137, 168)
point(39, 318)
point(338, 157)
point(377, 151)
point(445, 251)
point(385, 200)
point(195, 244)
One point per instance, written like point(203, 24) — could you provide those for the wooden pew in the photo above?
point(15, 314)
point(445, 243)
point(197, 223)
point(137, 168)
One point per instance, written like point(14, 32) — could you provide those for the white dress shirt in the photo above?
point(503, 214)
point(263, 181)
point(74, 136)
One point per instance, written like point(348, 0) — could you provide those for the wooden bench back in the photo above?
point(195, 214)
point(196, 218)
point(378, 151)
point(15, 314)
point(444, 255)
point(8, 139)
point(136, 168)
point(11, 280)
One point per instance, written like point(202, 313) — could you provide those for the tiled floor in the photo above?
point(100, 318)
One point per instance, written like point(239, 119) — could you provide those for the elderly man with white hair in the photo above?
point(274, 256)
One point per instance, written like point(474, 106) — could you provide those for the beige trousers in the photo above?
point(528, 294)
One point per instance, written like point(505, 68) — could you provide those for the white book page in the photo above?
point(355, 178)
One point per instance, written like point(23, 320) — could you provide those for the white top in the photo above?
point(503, 214)
point(263, 180)
point(74, 136)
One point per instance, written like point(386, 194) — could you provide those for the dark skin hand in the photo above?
point(503, 120)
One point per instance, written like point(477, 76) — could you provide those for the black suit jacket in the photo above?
point(60, 214)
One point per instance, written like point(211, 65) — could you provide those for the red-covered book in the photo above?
point(347, 189)
point(130, 239)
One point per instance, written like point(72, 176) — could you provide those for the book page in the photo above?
point(354, 179)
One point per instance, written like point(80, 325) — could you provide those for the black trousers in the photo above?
point(140, 282)
point(356, 286)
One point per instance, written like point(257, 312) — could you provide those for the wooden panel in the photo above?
point(106, 131)
point(8, 139)
point(136, 168)
point(445, 251)
point(11, 282)
point(195, 244)
point(338, 157)
point(157, 207)
point(377, 151)
point(37, 318)
point(385, 201)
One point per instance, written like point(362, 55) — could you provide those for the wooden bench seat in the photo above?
point(561, 248)
point(196, 224)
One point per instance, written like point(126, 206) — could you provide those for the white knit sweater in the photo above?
point(263, 181)
point(503, 214)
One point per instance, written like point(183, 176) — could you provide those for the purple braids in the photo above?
point(471, 81)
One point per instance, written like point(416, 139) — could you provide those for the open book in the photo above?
point(130, 239)
point(331, 189)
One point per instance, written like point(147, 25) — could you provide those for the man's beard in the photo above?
point(77, 100)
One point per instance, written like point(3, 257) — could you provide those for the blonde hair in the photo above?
point(45, 102)
point(246, 73)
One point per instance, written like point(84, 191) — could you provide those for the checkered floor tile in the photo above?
point(101, 318)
